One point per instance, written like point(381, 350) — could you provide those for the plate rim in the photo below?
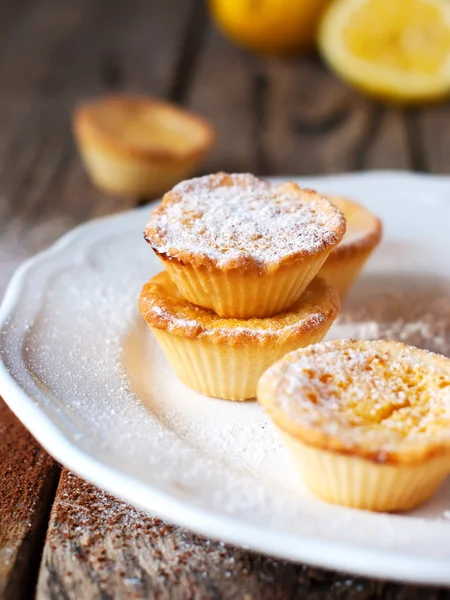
point(321, 553)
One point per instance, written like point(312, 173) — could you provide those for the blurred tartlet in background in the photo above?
point(136, 145)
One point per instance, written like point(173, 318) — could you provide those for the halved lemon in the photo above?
point(398, 50)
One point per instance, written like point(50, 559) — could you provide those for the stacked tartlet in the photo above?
point(238, 293)
point(225, 357)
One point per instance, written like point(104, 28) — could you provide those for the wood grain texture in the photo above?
point(293, 117)
point(315, 124)
point(431, 130)
point(99, 547)
point(54, 55)
point(221, 89)
point(28, 478)
point(388, 147)
point(62, 54)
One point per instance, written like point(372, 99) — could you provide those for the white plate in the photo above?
point(80, 369)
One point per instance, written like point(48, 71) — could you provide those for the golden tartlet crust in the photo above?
point(364, 229)
point(164, 308)
point(143, 128)
point(382, 401)
point(237, 221)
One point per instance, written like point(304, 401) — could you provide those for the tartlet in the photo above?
point(241, 246)
point(364, 232)
point(134, 145)
point(225, 357)
point(367, 423)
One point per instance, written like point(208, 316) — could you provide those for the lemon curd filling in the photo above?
point(371, 400)
point(405, 401)
point(376, 32)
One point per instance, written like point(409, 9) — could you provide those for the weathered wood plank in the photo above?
point(81, 47)
point(316, 124)
point(79, 50)
point(221, 89)
point(432, 136)
point(54, 56)
point(99, 547)
point(28, 478)
point(291, 117)
point(389, 146)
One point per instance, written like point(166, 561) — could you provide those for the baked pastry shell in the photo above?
point(122, 168)
point(346, 261)
point(360, 477)
point(359, 483)
point(221, 371)
point(226, 360)
point(234, 294)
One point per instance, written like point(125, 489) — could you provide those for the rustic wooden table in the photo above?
point(59, 536)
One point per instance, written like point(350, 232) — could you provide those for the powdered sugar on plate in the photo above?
point(74, 341)
point(118, 396)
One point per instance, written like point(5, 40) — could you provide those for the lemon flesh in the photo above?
point(395, 49)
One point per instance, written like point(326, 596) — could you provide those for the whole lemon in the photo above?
point(269, 26)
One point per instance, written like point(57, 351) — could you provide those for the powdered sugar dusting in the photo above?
point(384, 396)
point(241, 218)
point(190, 327)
